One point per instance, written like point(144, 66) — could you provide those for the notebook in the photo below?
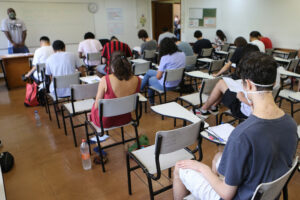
point(221, 132)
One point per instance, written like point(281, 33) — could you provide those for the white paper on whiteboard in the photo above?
point(196, 13)
point(210, 21)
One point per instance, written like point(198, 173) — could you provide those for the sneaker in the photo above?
point(201, 114)
point(214, 111)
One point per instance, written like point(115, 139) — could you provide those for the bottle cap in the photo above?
point(35, 111)
point(83, 140)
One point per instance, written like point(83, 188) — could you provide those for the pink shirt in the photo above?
point(90, 46)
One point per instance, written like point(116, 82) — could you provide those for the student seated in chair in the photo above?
point(61, 63)
point(220, 40)
point(240, 43)
point(89, 45)
point(254, 39)
point(120, 83)
point(170, 58)
point(147, 44)
point(185, 47)
point(108, 49)
point(40, 57)
point(267, 42)
point(259, 150)
point(201, 43)
point(165, 34)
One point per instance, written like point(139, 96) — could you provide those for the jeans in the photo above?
point(23, 49)
point(151, 80)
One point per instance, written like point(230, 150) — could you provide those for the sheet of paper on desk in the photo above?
point(234, 85)
point(223, 131)
point(138, 49)
point(155, 65)
point(101, 139)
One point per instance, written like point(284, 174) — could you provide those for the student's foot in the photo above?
point(202, 113)
point(214, 110)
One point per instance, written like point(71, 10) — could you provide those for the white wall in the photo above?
point(130, 8)
point(275, 19)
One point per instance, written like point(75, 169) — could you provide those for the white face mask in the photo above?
point(260, 85)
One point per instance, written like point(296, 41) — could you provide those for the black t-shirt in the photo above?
point(258, 151)
point(201, 44)
point(237, 55)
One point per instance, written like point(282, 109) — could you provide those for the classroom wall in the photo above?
point(128, 26)
point(275, 19)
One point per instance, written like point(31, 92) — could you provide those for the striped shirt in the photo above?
point(113, 46)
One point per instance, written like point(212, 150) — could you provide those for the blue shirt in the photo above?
point(174, 61)
point(258, 151)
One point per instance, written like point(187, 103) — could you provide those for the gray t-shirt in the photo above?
point(186, 48)
point(150, 45)
point(15, 28)
point(258, 151)
point(60, 64)
point(165, 35)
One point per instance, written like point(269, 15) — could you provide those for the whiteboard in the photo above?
point(65, 21)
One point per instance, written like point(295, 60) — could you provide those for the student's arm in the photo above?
point(225, 191)
point(30, 72)
point(81, 55)
point(101, 91)
point(159, 74)
point(225, 68)
point(9, 38)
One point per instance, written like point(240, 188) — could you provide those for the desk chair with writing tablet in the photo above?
point(164, 154)
point(150, 55)
point(90, 57)
point(82, 100)
point(60, 82)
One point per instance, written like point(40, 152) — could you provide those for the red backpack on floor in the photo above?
point(31, 95)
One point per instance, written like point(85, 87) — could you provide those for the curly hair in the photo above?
point(167, 47)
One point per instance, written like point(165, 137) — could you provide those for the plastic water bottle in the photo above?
point(37, 118)
point(85, 155)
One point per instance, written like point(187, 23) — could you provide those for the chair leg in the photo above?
point(137, 137)
point(56, 114)
point(285, 193)
point(122, 131)
point(64, 121)
point(217, 121)
point(292, 109)
point(174, 122)
point(170, 172)
point(48, 107)
point(150, 188)
point(100, 153)
point(87, 137)
point(160, 101)
point(128, 174)
point(280, 102)
point(165, 95)
point(73, 131)
point(146, 107)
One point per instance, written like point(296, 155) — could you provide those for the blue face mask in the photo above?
point(12, 15)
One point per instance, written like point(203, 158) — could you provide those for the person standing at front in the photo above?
point(15, 32)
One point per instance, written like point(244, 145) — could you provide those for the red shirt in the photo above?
point(113, 46)
point(267, 42)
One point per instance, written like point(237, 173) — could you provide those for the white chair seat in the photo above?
point(98, 129)
point(80, 106)
point(285, 93)
point(194, 99)
point(157, 90)
point(295, 96)
point(147, 158)
point(142, 98)
point(53, 97)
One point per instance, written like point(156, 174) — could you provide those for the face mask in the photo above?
point(260, 85)
point(12, 15)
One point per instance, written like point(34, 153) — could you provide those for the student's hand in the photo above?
point(15, 45)
point(192, 164)
point(240, 96)
point(215, 74)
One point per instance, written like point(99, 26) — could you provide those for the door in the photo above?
point(162, 16)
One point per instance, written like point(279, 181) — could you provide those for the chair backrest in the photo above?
point(208, 85)
point(216, 65)
point(293, 65)
point(225, 47)
point(177, 139)
point(118, 106)
point(149, 54)
point(206, 52)
point(174, 74)
point(141, 68)
point(93, 56)
point(269, 52)
point(40, 67)
point(84, 91)
point(292, 55)
point(271, 190)
point(190, 60)
point(66, 81)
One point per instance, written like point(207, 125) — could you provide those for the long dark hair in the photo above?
point(221, 35)
point(167, 47)
point(120, 66)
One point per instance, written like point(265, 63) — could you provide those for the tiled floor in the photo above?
point(48, 166)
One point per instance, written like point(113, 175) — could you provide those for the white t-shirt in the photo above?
point(15, 27)
point(60, 64)
point(40, 56)
point(260, 45)
point(90, 46)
